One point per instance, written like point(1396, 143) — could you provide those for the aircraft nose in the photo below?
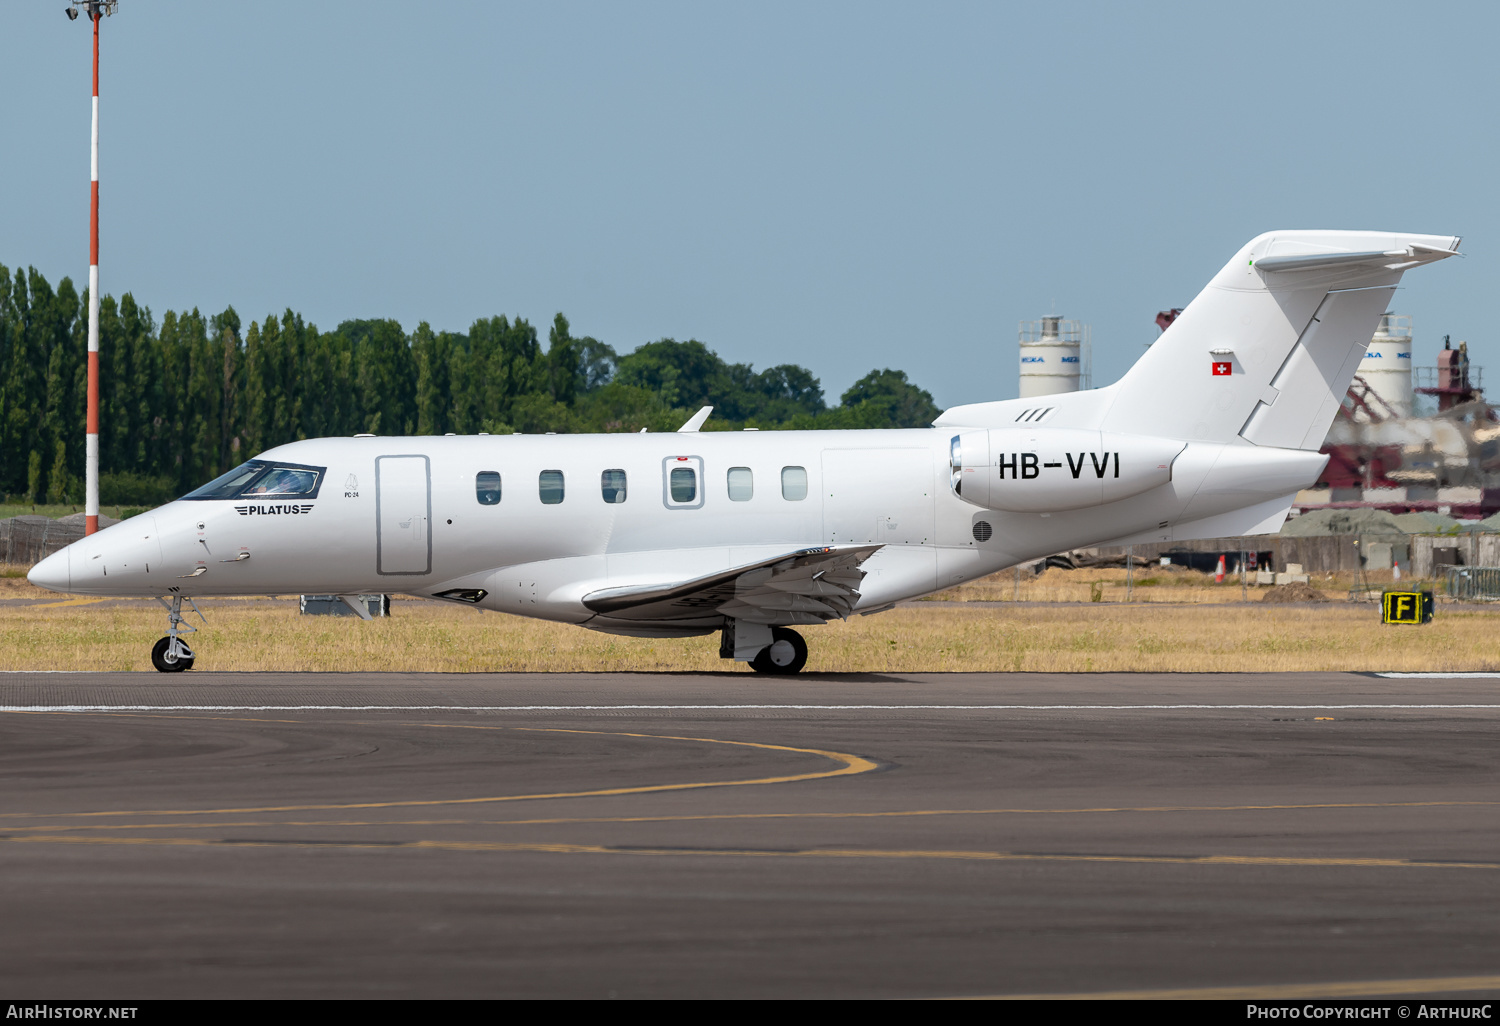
point(52, 572)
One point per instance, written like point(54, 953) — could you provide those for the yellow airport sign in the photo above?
point(1408, 607)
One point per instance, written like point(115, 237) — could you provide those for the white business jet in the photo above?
point(1210, 434)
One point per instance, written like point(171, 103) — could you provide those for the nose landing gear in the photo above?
point(171, 654)
point(168, 660)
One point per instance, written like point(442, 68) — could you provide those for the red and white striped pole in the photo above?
point(91, 428)
point(95, 9)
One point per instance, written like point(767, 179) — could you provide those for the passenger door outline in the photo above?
point(405, 542)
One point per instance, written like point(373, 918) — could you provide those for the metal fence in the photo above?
point(27, 539)
point(1472, 583)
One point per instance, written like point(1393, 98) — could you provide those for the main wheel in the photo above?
point(161, 662)
point(787, 653)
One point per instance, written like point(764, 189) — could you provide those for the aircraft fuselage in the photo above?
point(538, 522)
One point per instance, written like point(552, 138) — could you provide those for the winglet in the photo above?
point(696, 420)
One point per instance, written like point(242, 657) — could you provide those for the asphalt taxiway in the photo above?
point(649, 835)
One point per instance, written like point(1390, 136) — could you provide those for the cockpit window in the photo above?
point(261, 480)
point(284, 481)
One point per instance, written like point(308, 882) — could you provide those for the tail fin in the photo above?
point(1268, 349)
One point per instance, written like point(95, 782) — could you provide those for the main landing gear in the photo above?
point(767, 649)
point(787, 653)
point(171, 654)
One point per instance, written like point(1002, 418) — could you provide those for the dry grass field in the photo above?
point(1055, 627)
point(1148, 584)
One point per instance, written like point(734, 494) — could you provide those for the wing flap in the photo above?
point(806, 586)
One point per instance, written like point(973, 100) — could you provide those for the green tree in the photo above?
point(563, 362)
point(385, 376)
point(895, 400)
point(787, 391)
point(55, 397)
point(621, 407)
point(682, 374)
point(596, 365)
point(501, 363)
point(433, 352)
point(185, 401)
point(194, 366)
point(688, 375)
point(226, 329)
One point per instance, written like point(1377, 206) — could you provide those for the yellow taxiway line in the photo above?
point(724, 816)
point(1274, 992)
point(848, 764)
point(562, 848)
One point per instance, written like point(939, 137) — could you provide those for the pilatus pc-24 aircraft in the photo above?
point(1211, 433)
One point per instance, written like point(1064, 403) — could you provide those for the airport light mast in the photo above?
point(95, 10)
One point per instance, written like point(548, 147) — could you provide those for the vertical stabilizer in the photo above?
point(1267, 350)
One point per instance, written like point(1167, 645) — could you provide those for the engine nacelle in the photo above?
point(1045, 470)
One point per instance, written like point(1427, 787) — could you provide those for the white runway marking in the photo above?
point(1454, 675)
point(727, 708)
point(1466, 674)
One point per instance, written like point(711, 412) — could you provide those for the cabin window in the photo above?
point(794, 483)
point(684, 484)
point(612, 485)
point(741, 484)
point(487, 487)
point(550, 485)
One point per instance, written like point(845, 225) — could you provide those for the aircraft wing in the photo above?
point(806, 586)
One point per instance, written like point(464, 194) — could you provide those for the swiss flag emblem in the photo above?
point(1221, 367)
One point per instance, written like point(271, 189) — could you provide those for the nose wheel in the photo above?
point(786, 654)
point(171, 654)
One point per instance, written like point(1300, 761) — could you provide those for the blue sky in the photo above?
point(843, 186)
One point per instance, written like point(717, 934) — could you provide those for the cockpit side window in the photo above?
point(259, 479)
point(284, 481)
point(227, 486)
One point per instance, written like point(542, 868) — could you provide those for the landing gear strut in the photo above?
point(171, 654)
point(787, 653)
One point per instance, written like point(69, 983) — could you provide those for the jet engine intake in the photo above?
point(1045, 470)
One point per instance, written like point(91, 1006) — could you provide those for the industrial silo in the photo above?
point(1386, 367)
point(1054, 356)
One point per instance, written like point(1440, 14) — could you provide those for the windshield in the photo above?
point(258, 479)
